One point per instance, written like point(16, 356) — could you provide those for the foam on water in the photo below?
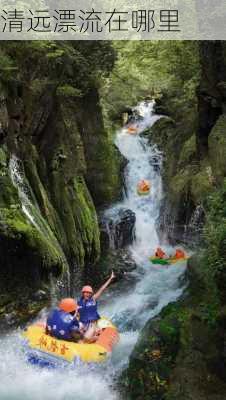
point(156, 287)
point(144, 162)
point(23, 382)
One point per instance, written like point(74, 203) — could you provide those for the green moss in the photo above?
point(106, 165)
point(188, 151)
point(68, 91)
point(41, 195)
point(217, 148)
point(154, 354)
point(179, 185)
point(8, 194)
point(215, 236)
point(15, 225)
point(201, 185)
point(87, 218)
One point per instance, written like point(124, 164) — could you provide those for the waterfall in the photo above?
point(156, 286)
point(25, 194)
point(130, 304)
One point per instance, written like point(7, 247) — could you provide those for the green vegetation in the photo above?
point(217, 149)
point(152, 69)
point(57, 63)
point(215, 236)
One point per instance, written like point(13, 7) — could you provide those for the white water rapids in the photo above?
point(155, 287)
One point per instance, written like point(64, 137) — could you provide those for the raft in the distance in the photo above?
point(132, 130)
point(167, 261)
point(143, 187)
point(45, 350)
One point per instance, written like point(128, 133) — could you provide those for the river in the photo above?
point(129, 306)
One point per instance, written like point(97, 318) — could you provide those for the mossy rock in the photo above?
point(202, 184)
point(179, 354)
point(103, 161)
point(151, 361)
point(176, 357)
point(14, 225)
point(179, 185)
point(217, 148)
point(188, 152)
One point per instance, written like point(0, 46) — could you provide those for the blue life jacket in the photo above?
point(88, 310)
point(61, 324)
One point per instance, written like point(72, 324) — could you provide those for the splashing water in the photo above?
point(24, 191)
point(156, 286)
point(129, 308)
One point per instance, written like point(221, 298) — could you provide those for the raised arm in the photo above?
point(105, 285)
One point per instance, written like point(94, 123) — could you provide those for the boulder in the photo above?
point(117, 228)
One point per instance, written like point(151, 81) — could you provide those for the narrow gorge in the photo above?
point(70, 211)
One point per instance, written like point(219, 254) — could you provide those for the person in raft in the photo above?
point(160, 253)
point(179, 254)
point(88, 309)
point(62, 322)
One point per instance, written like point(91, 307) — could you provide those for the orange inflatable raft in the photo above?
point(132, 130)
point(143, 187)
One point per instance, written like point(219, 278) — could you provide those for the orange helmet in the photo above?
point(68, 305)
point(88, 289)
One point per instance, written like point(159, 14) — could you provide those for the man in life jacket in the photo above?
point(88, 308)
point(160, 253)
point(179, 254)
point(62, 322)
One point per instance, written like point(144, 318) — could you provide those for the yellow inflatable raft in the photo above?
point(41, 346)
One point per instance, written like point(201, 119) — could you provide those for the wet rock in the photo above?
point(40, 295)
point(117, 229)
point(11, 318)
point(120, 261)
point(21, 311)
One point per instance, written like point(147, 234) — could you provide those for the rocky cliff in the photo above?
point(57, 163)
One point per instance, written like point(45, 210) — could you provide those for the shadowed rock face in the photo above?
point(211, 92)
point(117, 231)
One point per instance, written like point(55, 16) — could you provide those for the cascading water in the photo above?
point(129, 307)
point(17, 176)
point(155, 287)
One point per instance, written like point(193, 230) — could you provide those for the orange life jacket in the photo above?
point(179, 254)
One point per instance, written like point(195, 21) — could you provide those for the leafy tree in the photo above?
point(151, 68)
